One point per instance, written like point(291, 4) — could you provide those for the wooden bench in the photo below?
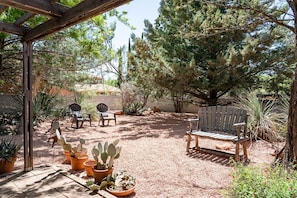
point(221, 123)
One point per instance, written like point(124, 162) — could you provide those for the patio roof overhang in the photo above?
point(57, 17)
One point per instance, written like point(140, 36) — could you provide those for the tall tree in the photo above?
point(208, 50)
point(281, 14)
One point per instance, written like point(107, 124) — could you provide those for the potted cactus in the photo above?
point(8, 155)
point(67, 149)
point(75, 155)
point(104, 155)
point(79, 155)
point(119, 184)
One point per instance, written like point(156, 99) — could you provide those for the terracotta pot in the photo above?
point(121, 193)
point(100, 174)
point(78, 163)
point(88, 167)
point(7, 166)
point(67, 157)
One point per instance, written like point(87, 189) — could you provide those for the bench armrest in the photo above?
point(239, 127)
point(239, 124)
point(191, 120)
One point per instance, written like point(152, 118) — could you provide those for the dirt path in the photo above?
point(153, 150)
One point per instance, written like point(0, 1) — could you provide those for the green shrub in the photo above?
point(263, 182)
point(266, 118)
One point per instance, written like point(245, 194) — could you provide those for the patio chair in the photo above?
point(104, 114)
point(77, 115)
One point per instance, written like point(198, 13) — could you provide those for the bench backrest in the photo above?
point(220, 118)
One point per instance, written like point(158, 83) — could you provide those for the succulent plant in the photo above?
point(120, 181)
point(66, 146)
point(105, 154)
point(8, 149)
point(79, 150)
point(76, 151)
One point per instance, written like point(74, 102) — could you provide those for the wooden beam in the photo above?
point(12, 29)
point(42, 7)
point(81, 12)
point(3, 8)
point(24, 18)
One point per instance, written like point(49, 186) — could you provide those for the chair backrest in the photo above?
point(221, 118)
point(75, 110)
point(101, 107)
point(75, 107)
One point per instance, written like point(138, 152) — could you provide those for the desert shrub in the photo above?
point(133, 99)
point(266, 118)
point(9, 122)
point(43, 105)
point(263, 182)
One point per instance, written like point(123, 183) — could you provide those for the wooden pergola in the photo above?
point(58, 17)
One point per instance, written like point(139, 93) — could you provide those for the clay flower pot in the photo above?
point(7, 166)
point(89, 166)
point(100, 174)
point(120, 193)
point(67, 157)
point(77, 164)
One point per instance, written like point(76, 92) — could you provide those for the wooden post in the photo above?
point(27, 106)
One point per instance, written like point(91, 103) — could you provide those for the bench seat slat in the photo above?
point(214, 135)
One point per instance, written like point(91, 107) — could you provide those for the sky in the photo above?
point(138, 11)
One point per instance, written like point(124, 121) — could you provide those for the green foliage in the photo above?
point(43, 105)
point(205, 50)
point(105, 154)
point(266, 117)
point(8, 149)
point(113, 83)
point(259, 182)
point(133, 99)
point(9, 123)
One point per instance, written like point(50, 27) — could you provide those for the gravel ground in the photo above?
point(154, 152)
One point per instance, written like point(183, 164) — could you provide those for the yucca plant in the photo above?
point(266, 118)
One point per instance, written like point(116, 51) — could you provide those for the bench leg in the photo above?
point(245, 154)
point(237, 152)
point(196, 142)
point(188, 142)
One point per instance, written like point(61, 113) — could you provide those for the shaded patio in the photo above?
point(45, 181)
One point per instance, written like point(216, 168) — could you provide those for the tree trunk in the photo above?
point(290, 151)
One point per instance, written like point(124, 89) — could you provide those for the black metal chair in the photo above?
point(105, 115)
point(77, 115)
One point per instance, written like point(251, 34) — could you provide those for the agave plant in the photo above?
point(266, 118)
point(8, 149)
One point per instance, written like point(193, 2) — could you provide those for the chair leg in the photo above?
point(81, 125)
point(188, 142)
point(77, 124)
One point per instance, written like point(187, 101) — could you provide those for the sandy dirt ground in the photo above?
point(154, 152)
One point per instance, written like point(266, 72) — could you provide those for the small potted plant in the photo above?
point(120, 184)
point(8, 155)
point(75, 155)
point(104, 155)
point(67, 149)
point(79, 155)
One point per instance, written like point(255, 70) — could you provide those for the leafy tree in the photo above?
point(71, 56)
point(284, 15)
point(207, 50)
